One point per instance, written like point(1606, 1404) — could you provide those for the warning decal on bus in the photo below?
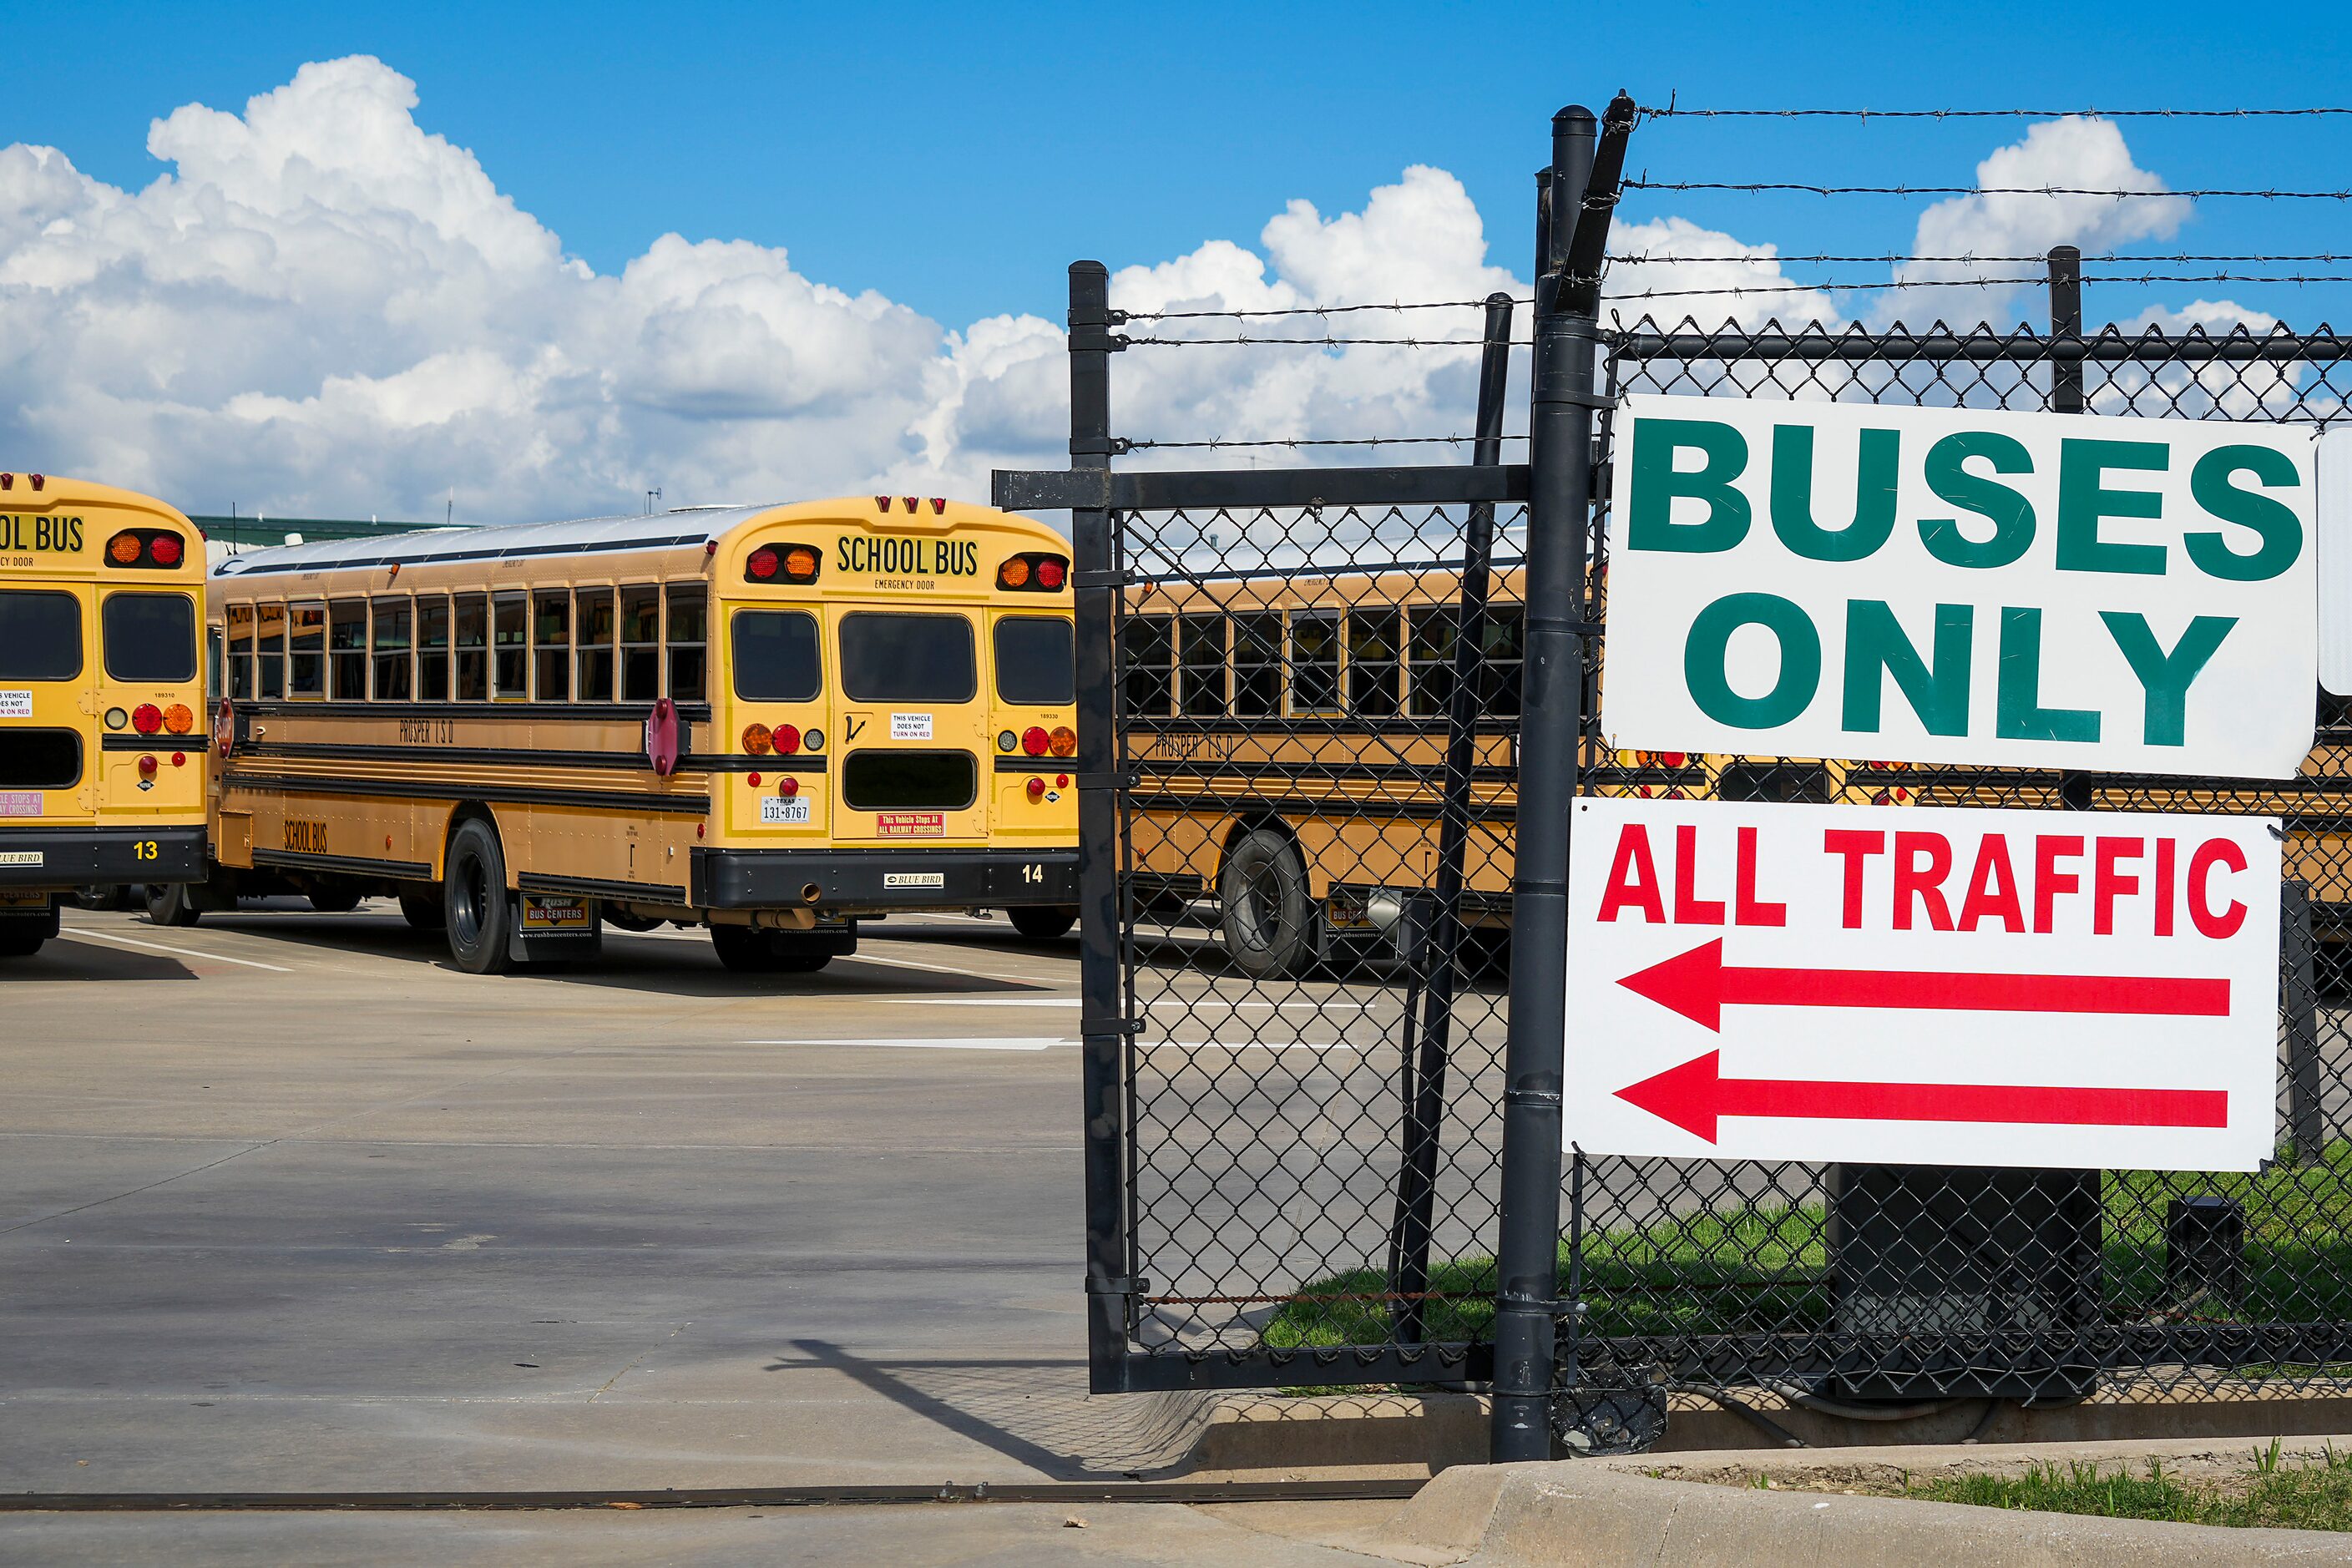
point(16, 703)
point(910, 823)
point(910, 726)
point(20, 803)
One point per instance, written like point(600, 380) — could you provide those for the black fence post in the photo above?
point(1436, 950)
point(1110, 1288)
point(2066, 398)
point(1559, 436)
point(2306, 1121)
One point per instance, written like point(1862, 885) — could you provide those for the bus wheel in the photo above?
point(172, 905)
point(328, 899)
point(424, 912)
point(1265, 918)
point(748, 950)
point(474, 898)
point(1043, 922)
point(20, 943)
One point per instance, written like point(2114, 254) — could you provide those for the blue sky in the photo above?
point(955, 157)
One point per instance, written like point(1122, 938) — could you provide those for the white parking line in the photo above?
point(984, 1001)
point(72, 933)
point(1009, 1043)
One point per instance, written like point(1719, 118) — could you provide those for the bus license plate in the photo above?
point(541, 912)
point(774, 809)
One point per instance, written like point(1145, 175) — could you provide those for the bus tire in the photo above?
point(1043, 922)
point(424, 910)
point(748, 951)
point(474, 901)
point(1264, 914)
point(172, 905)
point(333, 900)
point(20, 943)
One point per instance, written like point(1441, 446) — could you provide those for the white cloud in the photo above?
point(1706, 278)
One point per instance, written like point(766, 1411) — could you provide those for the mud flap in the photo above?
point(555, 928)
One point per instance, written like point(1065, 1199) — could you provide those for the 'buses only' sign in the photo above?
point(1951, 585)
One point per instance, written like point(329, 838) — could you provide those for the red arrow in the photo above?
point(1698, 984)
point(1693, 1095)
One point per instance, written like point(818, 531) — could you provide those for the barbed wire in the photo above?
point(1124, 445)
point(1119, 316)
point(1671, 111)
point(1762, 185)
point(1326, 342)
point(1892, 259)
point(1834, 287)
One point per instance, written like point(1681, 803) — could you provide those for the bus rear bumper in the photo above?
point(76, 856)
point(859, 879)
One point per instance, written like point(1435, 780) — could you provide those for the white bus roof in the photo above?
point(678, 527)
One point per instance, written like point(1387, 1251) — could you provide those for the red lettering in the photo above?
point(2164, 887)
point(2222, 923)
point(1747, 910)
point(1633, 878)
point(1690, 909)
point(2107, 883)
point(1856, 845)
point(1925, 881)
point(2048, 881)
point(1993, 888)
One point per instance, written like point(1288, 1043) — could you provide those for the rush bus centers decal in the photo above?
point(1949, 585)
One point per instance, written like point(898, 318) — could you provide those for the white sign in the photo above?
point(1950, 585)
point(2335, 541)
point(914, 879)
point(1922, 986)
point(15, 703)
point(910, 726)
point(779, 809)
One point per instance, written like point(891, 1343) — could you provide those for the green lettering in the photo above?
point(2010, 514)
point(2018, 713)
point(2165, 676)
point(1792, 496)
point(2082, 500)
point(1705, 660)
point(1875, 647)
point(1656, 485)
point(2273, 522)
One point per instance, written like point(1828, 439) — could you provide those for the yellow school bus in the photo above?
point(769, 721)
point(1287, 734)
point(101, 735)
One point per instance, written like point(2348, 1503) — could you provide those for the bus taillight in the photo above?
point(791, 562)
point(165, 549)
point(148, 547)
point(1034, 740)
point(146, 718)
point(1034, 574)
point(788, 785)
point(1051, 573)
point(178, 719)
point(1063, 740)
point(787, 739)
point(801, 563)
point(1036, 789)
point(147, 765)
point(761, 566)
point(757, 739)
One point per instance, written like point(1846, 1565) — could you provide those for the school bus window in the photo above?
point(510, 660)
point(306, 668)
point(910, 781)
point(40, 636)
point(1257, 665)
point(1314, 661)
point(347, 650)
point(886, 656)
point(389, 648)
point(1498, 662)
point(640, 643)
point(470, 635)
point(551, 644)
point(1148, 652)
point(1200, 664)
point(41, 759)
point(270, 664)
point(240, 651)
point(596, 623)
point(1429, 661)
point(149, 636)
point(1035, 661)
point(433, 648)
point(776, 657)
point(1373, 668)
point(214, 662)
point(690, 621)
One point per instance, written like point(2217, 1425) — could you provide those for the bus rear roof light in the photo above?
point(882, 503)
point(911, 503)
point(8, 481)
point(711, 547)
point(35, 478)
point(939, 505)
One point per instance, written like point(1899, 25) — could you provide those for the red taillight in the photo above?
point(1674, 759)
point(1034, 572)
point(1051, 572)
point(757, 739)
point(788, 785)
point(1061, 781)
point(146, 718)
point(787, 738)
point(165, 549)
point(180, 759)
point(1063, 740)
point(762, 564)
point(178, 719)
point(147, 767)
point(754, 781)
point(1034, 740)
point(1036, 789)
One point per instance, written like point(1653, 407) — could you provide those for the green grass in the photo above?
point(2269, 1495)
point(1766, 1269)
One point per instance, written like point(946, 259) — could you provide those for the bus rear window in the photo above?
point(1035, 662)
point(891, 657)
point(776, 656)
point(39, 759)
point(40, 636)
point(910, 781)
point(149, 636)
